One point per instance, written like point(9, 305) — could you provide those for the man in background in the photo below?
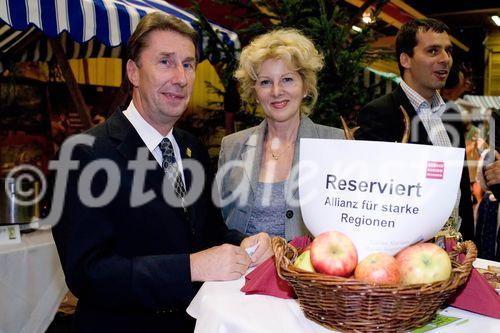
point(423, 51)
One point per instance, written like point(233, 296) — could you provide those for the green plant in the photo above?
point(223, 57)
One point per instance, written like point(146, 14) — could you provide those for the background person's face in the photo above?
point(164, 77)
point(279, 90)
point(430, 64)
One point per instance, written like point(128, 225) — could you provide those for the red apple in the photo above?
point(378, 268)
point(333, 253)
point(423, 263)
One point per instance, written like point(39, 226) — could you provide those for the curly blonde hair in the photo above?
point(289, 45)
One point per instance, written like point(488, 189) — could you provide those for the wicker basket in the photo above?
point(349, 305)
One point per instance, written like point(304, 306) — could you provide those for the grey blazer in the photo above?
point(244, 149)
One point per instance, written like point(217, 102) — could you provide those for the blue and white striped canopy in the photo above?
point(110, 21)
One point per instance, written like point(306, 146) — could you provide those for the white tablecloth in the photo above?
point(31, 284)
point(220, 307)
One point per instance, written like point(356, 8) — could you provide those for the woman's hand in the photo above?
point(263, 250)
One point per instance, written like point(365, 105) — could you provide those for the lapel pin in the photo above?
point(188, 152)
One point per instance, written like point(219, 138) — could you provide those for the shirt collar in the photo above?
point(418, 102)
point(148, 133)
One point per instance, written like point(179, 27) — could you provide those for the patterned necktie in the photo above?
point(171, 169)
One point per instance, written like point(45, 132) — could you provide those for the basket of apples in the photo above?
point(381, 293)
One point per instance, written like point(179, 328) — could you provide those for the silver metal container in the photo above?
point(11, 211)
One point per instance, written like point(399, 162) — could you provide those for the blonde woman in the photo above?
point(257, 186)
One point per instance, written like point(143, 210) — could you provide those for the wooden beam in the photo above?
point(69, 78)
point(411, 11)
point(122, 93)
point(386, 18)
point(415, 13)
point(86, 75)
point(17, 49)
point(407, 8)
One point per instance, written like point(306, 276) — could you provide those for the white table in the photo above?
point(220, 307)
point(31, 284)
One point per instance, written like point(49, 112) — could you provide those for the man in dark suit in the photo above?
point(423, 50)
point(136, 231)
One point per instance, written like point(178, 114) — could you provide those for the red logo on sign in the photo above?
point(435, 170)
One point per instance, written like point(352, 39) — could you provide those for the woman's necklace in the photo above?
point(277, 154)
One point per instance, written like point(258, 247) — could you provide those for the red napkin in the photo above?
point(264, 279)
point(478, 296)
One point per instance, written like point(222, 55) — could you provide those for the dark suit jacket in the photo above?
point(381, 120)
point(129, 266)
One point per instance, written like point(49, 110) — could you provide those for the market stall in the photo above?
point(41, 30)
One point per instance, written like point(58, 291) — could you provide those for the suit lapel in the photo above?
point(251, 154)
point(120, 129)
point(401, 99)
point(457, 125)
point(306, 130)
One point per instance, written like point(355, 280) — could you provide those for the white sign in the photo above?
point(384, 196)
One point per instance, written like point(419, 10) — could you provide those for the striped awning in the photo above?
point(487, 102)
point(38, 47)
point(101, 26)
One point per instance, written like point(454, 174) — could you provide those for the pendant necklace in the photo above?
point(277, 155)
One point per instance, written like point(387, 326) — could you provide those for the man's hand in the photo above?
point(263, 250)
point(492, 173)
point(219, 263)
